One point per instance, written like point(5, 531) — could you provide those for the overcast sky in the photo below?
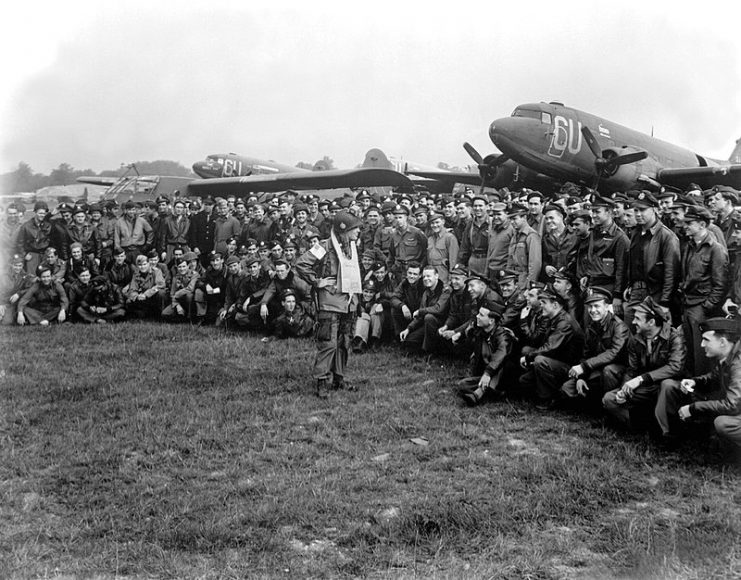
point(95, 84)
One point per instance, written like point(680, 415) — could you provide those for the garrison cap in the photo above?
point(645, 199)
point(517, 209)
point(582, 214)
point(653, 309)
point(401, 210)
point(493, 306)
point(599, 201)
point(479, 277)
point(503, 275)
point(345, 221)
point(286, 293)
point(458, 271)
point(730, 326)
point(596, 293)
point(232, 260)
point(549, 293)
point(727, 192)
point(696, 213)
point(555, 207)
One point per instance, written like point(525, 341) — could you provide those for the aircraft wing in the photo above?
point(95, 180)
point(332, 179)
point(705, 177)
point(449, 177)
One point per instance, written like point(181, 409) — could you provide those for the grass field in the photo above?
point(157, 451)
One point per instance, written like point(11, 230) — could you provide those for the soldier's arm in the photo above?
point(670, 256)
point(719, 278)
point(535, 256)
point(619, 342)
point(621, 262)
point(730, 404)
point(675, 364)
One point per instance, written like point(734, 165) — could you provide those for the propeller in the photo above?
point(606, 162)
point(487, 165)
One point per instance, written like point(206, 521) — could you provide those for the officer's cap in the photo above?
point(729, 326)
point(599, 201)
point(517, 209)
point(653, 309)
point(458, 271)
point(401, 210)
point(645, 199)
point(596, 293)
point(697, 213)
point(503, 275)
point(555, 207)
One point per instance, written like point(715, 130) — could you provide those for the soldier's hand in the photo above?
point(584, 283)
point(406, 312)
point(730, 308)
point(264, 311)
point(684, 412)
point(523, 362)
point(632, 384)
point(484, 381)
point(62, 316)
point(441, 331)
point(403, 334)
point(455, 337)
point(582, 387)
point(14, 298)
point(179, 310)
point(377, 309)
point(20, 319)
point(525, 312)
point(209, 289)
point(576, 371)
point(687, 386)
point(246, 304)
point(324, 282)
point(550, 271)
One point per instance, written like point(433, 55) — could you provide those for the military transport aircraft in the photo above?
point(226, 173)
point(565, 144)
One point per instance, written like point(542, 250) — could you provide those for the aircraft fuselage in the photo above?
point(547, 138)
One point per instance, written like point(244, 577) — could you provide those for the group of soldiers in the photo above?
point(624, 303)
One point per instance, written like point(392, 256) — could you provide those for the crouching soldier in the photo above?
point(715, 395)
point(182, 289)
point(103, 302)
point(547, 366)
point(656, 353)
point(13, 285)
point(293, 321)
point(44, 302)
point(146, 295)
point(605, 354)
point(433, 308)
point(492, 343)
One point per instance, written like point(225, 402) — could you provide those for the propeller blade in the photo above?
point(627, 158)
point(473, 153)
point(592, 142)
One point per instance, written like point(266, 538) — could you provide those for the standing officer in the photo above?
point(500, 234)
point(442, 247)
point(408, 244)
point(653, 262)
point(475, 239)
point(333, 270)
point(525, 251)
point(558, 241)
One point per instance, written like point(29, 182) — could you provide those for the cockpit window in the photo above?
point(526, 113)
point(545, 118)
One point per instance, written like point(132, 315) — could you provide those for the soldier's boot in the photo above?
point(322, 388)
point(475, 397)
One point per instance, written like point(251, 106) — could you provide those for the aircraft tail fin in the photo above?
point(736, 155)
point(377, 158)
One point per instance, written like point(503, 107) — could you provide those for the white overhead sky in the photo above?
point(97, 84)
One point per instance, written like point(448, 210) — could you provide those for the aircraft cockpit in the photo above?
point(544, 116)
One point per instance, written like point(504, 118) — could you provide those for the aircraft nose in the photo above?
point(501, 130)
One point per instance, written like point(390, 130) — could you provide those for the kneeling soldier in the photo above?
point(606, 352)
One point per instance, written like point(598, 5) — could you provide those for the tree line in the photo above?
point(23, 179)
